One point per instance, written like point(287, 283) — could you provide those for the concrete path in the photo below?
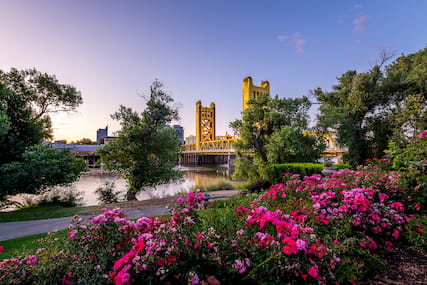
point(20, 229)
point(25, 228)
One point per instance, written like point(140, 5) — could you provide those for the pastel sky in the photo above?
point(201, 50)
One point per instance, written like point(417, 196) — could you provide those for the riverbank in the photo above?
point(26, 223)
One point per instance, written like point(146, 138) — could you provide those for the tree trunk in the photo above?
point(130, 195)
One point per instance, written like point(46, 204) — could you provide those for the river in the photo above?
point(96, 177)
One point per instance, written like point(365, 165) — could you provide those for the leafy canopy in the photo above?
point(145, 151)
point(26, 99)
point(370, 109)
point(272, 131)
point(39, 168)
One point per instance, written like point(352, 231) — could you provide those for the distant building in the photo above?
point(190, 139)
point(108, 140)
point(179, 130)
point(101, 134)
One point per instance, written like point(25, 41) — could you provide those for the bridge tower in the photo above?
point(205, 123)
point(250, 91)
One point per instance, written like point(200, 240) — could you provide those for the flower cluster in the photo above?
point(310, 230)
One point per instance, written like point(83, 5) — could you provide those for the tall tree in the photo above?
point(272, 131)
point(406, 79)
point(371, 108)
point(28, 96)
point(145, 151)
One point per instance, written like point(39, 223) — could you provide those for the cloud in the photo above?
point(282, 37)
point(297, 41)
point(359, 22)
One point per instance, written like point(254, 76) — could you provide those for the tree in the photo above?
point(28, 96)
point(4, 118)
point(406, 79)
point(39, 168)
point(272, 131)
point(26, 99)
point(145, 151)
point(370, 109)
point(84, 141)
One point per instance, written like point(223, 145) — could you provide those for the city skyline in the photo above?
point(112, 51)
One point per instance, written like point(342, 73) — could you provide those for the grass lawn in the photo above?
point(17, 246)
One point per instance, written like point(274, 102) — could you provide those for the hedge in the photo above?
point(342, 166)
point(275, 172)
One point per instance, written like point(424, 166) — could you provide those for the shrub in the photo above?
point(275, 172)
point(311, 230)
point(107, 194)
point(65, 196)
point(339, 166)
point(259, 185)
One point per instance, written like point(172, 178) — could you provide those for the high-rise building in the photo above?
point(101, 134)
point(179, 130)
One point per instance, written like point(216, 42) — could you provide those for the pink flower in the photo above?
point(32, 259)
point(180, 201)
point(185, 211)
point(72, 234)
point(66, 278)
point(389, 245)
point(1, 249)
point(313, 272)
point(197, 245)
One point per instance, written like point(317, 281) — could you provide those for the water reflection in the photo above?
point(91, 180)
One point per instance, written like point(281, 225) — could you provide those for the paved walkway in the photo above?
point(25, 228)
point(20, 229)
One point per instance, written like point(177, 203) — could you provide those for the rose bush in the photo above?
point(309, 230)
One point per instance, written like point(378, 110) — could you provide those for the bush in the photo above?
point(106, 193)
point(65, 196)
point(259, 185)
point(275, 172)
point(339, 166)
point(311, 230)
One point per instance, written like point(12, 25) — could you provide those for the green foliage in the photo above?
point(4, 118)
point(272, 131)
point(41, 167)
point(372, 108)
point(26, 99)
point(83, 141)
point(145, 151)
point(342, 166)
point(275, 172)
point(411, 161)
point(107, 194)
point(290, 145)
point(260, 185)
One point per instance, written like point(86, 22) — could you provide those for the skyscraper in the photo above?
point(179, 130)
point(101, 134)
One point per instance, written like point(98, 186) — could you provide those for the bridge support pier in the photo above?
point(192, 159)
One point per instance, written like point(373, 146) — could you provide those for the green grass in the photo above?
point(28, 244)
point(46, 212)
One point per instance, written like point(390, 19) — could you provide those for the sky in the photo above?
point(201, 50)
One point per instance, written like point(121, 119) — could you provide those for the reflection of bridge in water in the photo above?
point(210, 149)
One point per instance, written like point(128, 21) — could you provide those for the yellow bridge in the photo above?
point(210, 149)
